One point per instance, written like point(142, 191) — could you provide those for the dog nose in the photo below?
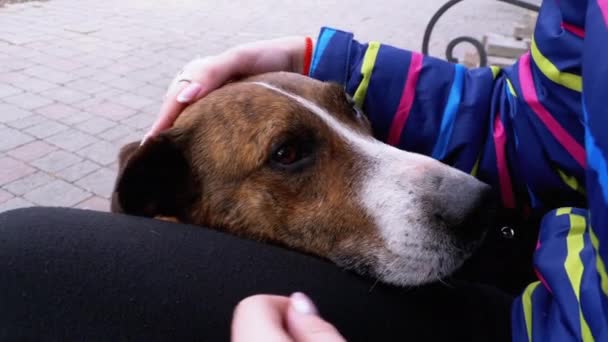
point(464, 204)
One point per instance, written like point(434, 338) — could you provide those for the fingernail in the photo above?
point(188, 93)
point(302, 304)
point(144, 139)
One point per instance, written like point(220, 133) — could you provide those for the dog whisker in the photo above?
point(374, 285)
point(445, 283)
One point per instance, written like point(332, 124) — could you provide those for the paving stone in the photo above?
point(15, 203)
point(5, 196)
point(91, 58)
point(78, 170)
point(13, 77)
point(57, 193)
point(28, 100)
point(65, 95)
point(142, 62)
point(12, 138)
point(46, 128)
point(62, 64)
point(146, 75)
point(120, 69)
point(9, 112)
point(116, 132)
point(13, 169)
point(8, 90)
point(50, 75)
point(132, 101)
point(71, 140)
point(139, 121)
point(109, 94)
point(83, 27)
point(152, 109)
point(135, 136)
point(115, 55)
point(102, 152)
point(95, 125)
point(24, 52)
point(95, 203)
point(58, 111)
point(162, 81)
point(32, 40)
point(33, 84)
point(14, 64)
point(87, 85)
point(127, 84)
point(27, 122)
point(75, 119)
point(31, 151)
point(92, 50)
point(28, 183)
point(61, 52)
point(100, 182)
point(56, 161)
point(111, 110)
point(88, 71)
point(105, 76)
point(151, 91)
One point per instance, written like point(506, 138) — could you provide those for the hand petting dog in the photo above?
point(203, 75)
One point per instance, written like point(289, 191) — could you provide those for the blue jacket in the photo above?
point(529, 130)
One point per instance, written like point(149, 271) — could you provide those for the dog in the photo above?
point(290, 160)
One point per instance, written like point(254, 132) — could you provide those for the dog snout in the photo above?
point(463, 203)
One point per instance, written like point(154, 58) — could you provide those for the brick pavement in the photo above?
point(80, 78)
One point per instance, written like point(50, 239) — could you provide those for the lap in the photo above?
point(79, 275)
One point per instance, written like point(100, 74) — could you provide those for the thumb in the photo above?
point(304, 323)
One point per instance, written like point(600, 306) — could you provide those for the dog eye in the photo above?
point(292, 155)
point(287, 155)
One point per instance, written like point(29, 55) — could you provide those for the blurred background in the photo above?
point(80, 78)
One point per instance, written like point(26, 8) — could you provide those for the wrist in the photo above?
point(300, 53)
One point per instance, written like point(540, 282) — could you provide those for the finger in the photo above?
point(260, 318)
point(188, 94)
point(212, 74)
point(180, 94)
point(304, 323)
point(207, 75)
point(169, 111)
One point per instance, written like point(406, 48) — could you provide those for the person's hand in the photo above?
point(203, 75)
point(271, 318)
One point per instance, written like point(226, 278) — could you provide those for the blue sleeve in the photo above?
point(497, 124)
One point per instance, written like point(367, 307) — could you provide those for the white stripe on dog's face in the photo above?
point(396, 193)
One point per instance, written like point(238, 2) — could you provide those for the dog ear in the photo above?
point(154, 179)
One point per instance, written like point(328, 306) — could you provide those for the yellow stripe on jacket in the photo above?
point(573, 264)
point(566, 79)
point(367, 67)
point(526, 300)
point(599, 264)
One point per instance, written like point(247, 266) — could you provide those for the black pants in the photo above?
point(72, 275)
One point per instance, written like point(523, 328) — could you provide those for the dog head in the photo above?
point(290, 160)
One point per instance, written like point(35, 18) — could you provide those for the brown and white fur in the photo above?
point(290, 160)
